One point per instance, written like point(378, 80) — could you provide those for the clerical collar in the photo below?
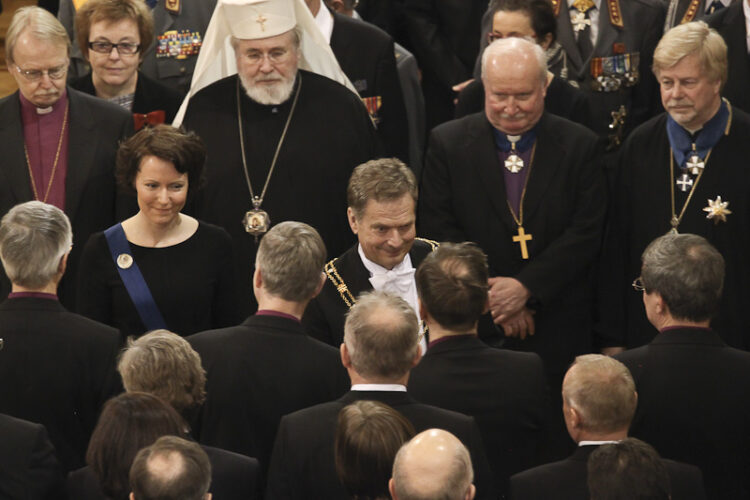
point(32, 295)
point(376, 269)
point(678, 327)
point(523, 144)
point(29, 106)
point(682, 143)
point(379, 387)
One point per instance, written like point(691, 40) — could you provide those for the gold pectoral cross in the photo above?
point(521, 238)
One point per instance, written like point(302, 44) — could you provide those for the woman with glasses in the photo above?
point(112, 35)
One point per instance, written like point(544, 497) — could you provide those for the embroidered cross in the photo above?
point(262, 21)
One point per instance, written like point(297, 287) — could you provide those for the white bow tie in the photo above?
point(398, 282)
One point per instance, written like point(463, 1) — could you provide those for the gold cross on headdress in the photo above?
point(262, 21)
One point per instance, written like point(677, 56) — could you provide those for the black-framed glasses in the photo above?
point(33, 75)
point(638, 285)
point(123, 48)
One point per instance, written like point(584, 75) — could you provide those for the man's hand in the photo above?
point(459, 87)
point(519, 325)
point(507, 296)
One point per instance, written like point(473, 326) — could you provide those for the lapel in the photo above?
point(81, 151)
point(488, 169)
point(549, 154)
point(567, 39)
point(15, 168)
point(607, 32)
point(163, 19)
point(354, 272)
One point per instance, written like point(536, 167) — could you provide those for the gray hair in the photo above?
point(383, 180)
point(602, 390)
point(688, 273)
point(42, 25)
point(693, 38)
point(34, 237)
point(512, 51)
point(438, 471)
point(381, 334)
point(291, 257)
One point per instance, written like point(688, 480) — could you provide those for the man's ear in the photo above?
point(258, 278)
point(320, 285)
point(345, 359)
point(422, 310)
point(352, 218)
point(392, 489)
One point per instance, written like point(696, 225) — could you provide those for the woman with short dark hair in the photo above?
point(160, 269)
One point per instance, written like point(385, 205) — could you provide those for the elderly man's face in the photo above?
point(31, 56)
point(514, 94)
point(268, 67)
point(385, 230)
point(687, 94)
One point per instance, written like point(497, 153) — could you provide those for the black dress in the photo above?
point(192, 283)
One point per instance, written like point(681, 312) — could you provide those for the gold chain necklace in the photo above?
point(54, 165)
point(522, 237)
point(675, 220)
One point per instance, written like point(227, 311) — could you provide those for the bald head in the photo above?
point(434, 465)
point(514, 55)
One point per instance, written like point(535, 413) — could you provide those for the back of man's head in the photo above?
point(601, 391)
point(34, 238)
point(164, 364)
point(452, 285)
point(381, 334)
point(434, 465)
point(628, 470)
point(290, 259)
point(171, 469)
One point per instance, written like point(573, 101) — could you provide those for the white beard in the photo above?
point(269, 94)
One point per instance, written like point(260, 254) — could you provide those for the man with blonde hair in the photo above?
point(380, 348)
point(679, 172)
point(48, 133)
point(599, 402)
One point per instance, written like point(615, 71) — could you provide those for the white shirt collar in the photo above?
point(595, 443)
point(376, 269)
point(324, 21)
point(379, 387)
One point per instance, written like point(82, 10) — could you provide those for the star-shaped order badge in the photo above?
point(717, 210)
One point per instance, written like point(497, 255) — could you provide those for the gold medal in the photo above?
point(256, 221)
point(124, 261)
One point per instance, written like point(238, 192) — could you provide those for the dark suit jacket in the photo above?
point(325, 314)
point(367, 56)
point(462, 198)
point(150, 95)
point(302, 464)
point(233, 477)
point(693, 405)
point(59, 369)
point(680, 9)
point(567, 479)
point(643, 21)
point(28, 466)
point(730, 23)
point(504, 391)
point(272, 368)
point(96, 127)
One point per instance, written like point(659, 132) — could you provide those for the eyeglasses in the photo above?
point(33, 75)
point(638, 284)
point(123, 48)
point(275, 56)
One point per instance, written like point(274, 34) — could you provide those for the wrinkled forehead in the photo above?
point(282, 41)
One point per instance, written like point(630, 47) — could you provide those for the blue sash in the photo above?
point(133, 280)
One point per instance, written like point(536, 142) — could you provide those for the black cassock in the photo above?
point(330, 133)
point(642, 210)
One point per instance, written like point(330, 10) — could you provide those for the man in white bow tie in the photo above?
point(382, 199)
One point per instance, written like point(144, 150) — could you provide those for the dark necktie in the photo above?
point(715, 5)
point(583, 27)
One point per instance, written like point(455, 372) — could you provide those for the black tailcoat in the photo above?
point(325, 314)
point(567, 479)
point(258, 372)
point(463, 198)
point(302, 465)
point(96, 128)
point(641, 212)
point(693, 405)
point(59, 369)
point(505, 392)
